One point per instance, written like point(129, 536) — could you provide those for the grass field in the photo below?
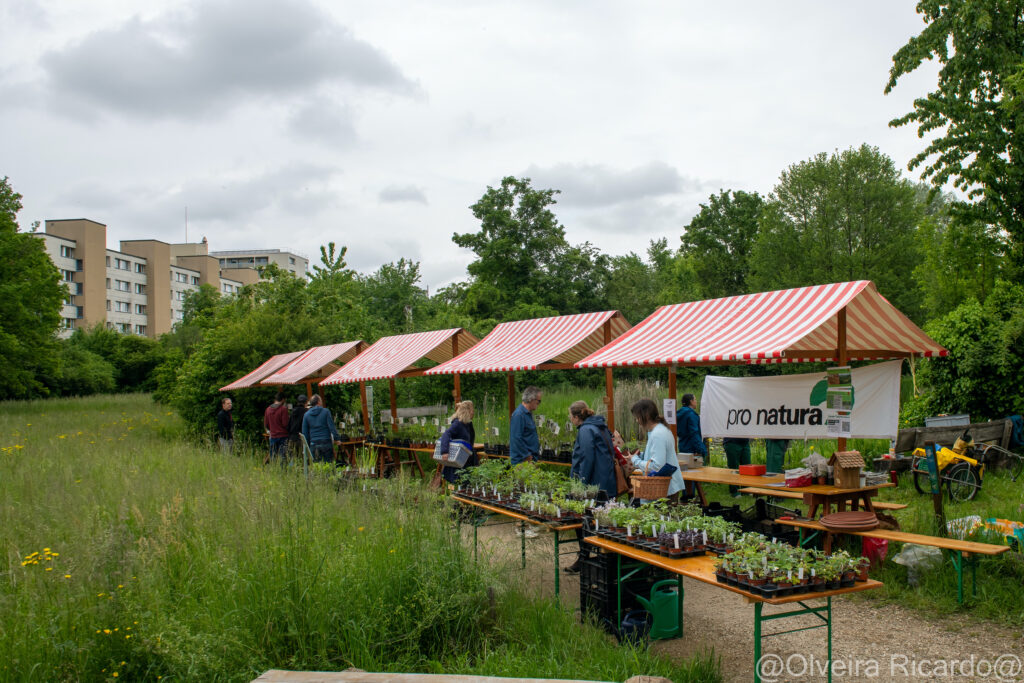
point(131, 554)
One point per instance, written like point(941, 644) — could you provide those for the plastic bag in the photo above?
point(874, 549)
point(918, 559)
point(817, 464)
point(800, 476)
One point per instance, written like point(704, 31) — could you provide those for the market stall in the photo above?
point(267, 368)
point(540, 344)
point(396, 357)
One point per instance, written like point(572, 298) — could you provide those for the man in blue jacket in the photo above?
point(523, 442)
point(319, 430)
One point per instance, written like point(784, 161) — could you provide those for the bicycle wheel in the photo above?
point(963, 482)
point(920, 477)
point(1015, 466)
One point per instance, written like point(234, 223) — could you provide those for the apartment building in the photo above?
point(249, 260)
point(139, 289)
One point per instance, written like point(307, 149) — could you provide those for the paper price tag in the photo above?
point(495, 430)
point(423, 420)
point(669, 410)
point(556, 429)
point(437, 421)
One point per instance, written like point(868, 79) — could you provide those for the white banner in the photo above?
point(794, 406)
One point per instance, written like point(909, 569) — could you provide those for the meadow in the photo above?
point(131, 553)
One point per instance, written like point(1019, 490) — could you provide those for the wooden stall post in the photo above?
point(366, 411)
point(511, 393)
point(309, 388)
point(394, 404)
point(841, 356)
point(609, 389)
point(672, 395)
point(457, 392)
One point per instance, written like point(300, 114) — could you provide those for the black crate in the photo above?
point(598, 588)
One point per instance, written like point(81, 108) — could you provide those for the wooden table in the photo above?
point(815, 496)
point(960, 552)
point(539, 462)
point(523, 520)
point(700, 568)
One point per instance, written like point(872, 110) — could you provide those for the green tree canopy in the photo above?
point(975, 111)
point(31, 296)
point(718, 239)
point(838, 217)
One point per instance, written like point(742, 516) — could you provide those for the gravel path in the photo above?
point(871, 641)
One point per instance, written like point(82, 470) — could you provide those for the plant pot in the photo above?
point(757, 583)
point(674, 552)
point(821, 481)
point(832, 585)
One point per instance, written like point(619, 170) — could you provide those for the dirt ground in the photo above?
point(871, 641)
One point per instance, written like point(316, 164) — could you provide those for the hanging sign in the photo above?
point(797, 406)
point(668, 409)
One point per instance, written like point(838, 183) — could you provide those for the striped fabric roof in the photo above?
point(526, 344)
point(391, 355)
point(315, 363)
point(789, 325)
point(270, 366)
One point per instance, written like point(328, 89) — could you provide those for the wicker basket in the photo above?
point(650, 488)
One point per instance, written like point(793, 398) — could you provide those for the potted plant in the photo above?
point(863, 564)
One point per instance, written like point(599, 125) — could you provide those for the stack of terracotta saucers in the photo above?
point(860, 520)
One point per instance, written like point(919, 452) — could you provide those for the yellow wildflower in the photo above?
point(67, 576)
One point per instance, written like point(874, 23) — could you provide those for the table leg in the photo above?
point(522, 542)
point(841, 505)
point(866, 497)
point(829, 663)
point(700, 494)
point(757, 641)
point(555, 534)
point(618, 591)
point(813, 506)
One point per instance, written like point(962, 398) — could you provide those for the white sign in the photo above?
point(668, 409)
point(795, 406)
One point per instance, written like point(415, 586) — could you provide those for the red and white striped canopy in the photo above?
point(526, 344)
point(269, 366)
point(315, 363)
point(392, 355)
point(788, 325)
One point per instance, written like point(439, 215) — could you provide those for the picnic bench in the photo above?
point(796, 495)
point(960, 552)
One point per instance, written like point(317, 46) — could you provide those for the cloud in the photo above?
point(402, 193)
point(323, 121)
point(594, 185)
point(216, 55)
point(28, 12)
point(299, 190)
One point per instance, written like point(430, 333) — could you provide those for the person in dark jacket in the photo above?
point(319, 430)
point(295, 425)
point(593, 459)
point(225, 426)
point(275, 420)
point(688, 428)
point(461, 429)
point(523, 441)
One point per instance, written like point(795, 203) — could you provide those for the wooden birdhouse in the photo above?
point(846, 469)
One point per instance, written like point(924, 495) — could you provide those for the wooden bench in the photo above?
point(960, 552)
point(796, 495)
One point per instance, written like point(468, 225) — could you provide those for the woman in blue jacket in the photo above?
point(688, 428)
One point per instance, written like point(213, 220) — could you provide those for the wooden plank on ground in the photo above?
point(281, 676)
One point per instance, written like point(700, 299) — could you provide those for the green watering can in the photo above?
point(664, 607)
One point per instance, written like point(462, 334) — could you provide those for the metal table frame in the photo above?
point(522, 520)
point(699, 568)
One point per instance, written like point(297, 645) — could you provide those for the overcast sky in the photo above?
point(376, 124)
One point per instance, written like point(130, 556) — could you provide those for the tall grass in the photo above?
point(162, 560)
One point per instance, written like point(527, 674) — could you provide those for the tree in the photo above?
point(975, 112)
point(31, 295)
point(718, 241)
point(393, 296)
point(959, 260)
point(981, 375)
point(519, 249)
point(839, 217)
